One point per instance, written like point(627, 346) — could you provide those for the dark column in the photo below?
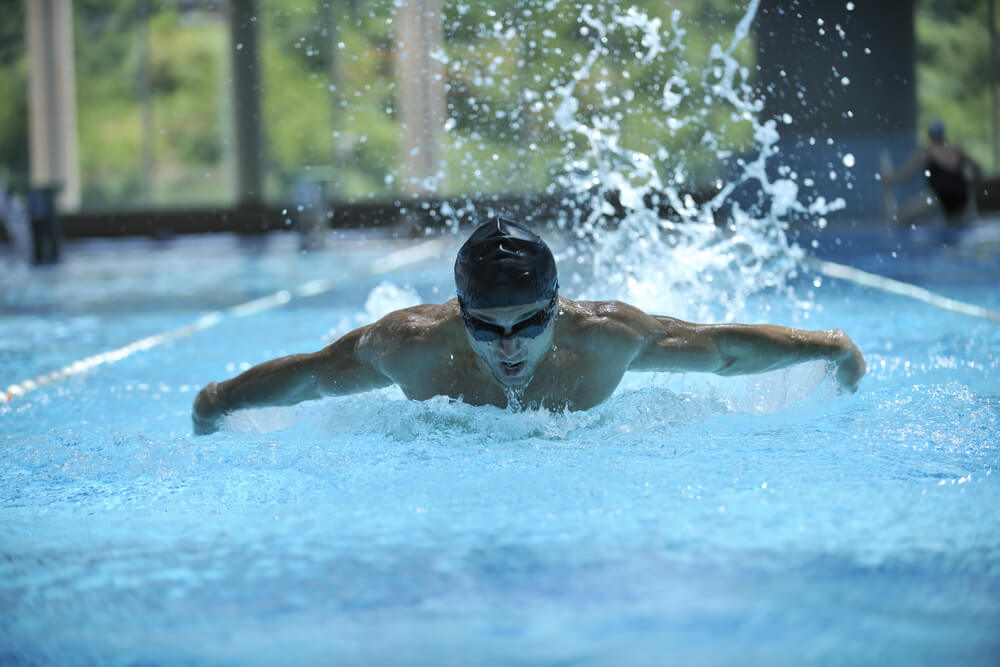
point(843, 71)
point(246, 103)
point(994, 120)
point(145, 87)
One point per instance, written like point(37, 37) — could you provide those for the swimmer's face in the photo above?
point(511, 340)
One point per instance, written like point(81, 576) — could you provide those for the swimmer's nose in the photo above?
point(510, 345)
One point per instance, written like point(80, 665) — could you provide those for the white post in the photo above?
point(420, 84)
point(52, 100)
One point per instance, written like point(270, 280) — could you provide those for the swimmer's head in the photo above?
point(504, 264)
point(936, 131)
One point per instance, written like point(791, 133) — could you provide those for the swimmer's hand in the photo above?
point(850, 364)
point(206, 418)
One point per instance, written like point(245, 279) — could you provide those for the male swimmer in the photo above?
point(509, 336)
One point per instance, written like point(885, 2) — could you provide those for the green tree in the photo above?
point(185, 68)
point(13, 95)
point(328, 91)
point(953, 72)
point(507, 61)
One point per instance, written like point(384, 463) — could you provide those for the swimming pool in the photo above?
point(688, 520)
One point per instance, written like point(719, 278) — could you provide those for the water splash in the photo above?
point(14, 214)
point(683, 260)
point(382, 300)
point(515, 398)
point(691, 228)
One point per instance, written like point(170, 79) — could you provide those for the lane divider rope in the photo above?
point(844, 272)
point(395, 260)
point(412, 255)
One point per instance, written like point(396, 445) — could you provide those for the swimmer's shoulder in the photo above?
point(408, 344)
point(601, 320)
point(426, 323)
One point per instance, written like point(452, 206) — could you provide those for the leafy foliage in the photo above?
point(13, 95)
point(953, 73)
point(155, 100)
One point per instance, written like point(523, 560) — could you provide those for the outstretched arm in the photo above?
point(341, 368)
point(977, 169)
point(737, 349)
point(915, 162)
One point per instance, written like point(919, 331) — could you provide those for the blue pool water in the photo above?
point(688, 520)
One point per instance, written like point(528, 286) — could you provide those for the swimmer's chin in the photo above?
point(512, 375)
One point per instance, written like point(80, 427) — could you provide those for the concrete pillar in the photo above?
point(843, 71)
point(52, 100)
point(420, 86)
point(246, 103)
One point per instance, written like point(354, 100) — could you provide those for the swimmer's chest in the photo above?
point(575, 380)
point(456, 375)
point(563, 379)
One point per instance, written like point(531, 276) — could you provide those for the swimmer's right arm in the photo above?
point(917, 160)
point(977, 169)
point(344, 367)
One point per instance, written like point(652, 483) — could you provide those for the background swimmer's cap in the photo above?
point(936, 131)
point(504, 264)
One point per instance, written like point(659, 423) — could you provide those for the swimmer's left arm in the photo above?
point(739, 349)
point(343, 367)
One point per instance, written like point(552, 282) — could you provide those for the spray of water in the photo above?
point(637, 229)
point(646, 234)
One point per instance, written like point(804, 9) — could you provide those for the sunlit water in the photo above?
point(687, 520)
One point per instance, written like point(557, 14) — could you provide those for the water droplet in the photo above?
point(849, 160)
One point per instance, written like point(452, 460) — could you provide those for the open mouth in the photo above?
point(510, 370)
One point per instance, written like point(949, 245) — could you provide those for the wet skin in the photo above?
point(512, 359)
point(576, 362)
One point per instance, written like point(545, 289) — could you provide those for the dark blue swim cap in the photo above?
point(504, 264)
point(936, 131)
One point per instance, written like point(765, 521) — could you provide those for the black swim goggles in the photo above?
point(531, 327)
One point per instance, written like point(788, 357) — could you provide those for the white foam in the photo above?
point(686, 263)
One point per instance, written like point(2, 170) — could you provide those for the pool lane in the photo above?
point(875, 281)
point(111, 300)
point(362, 260)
